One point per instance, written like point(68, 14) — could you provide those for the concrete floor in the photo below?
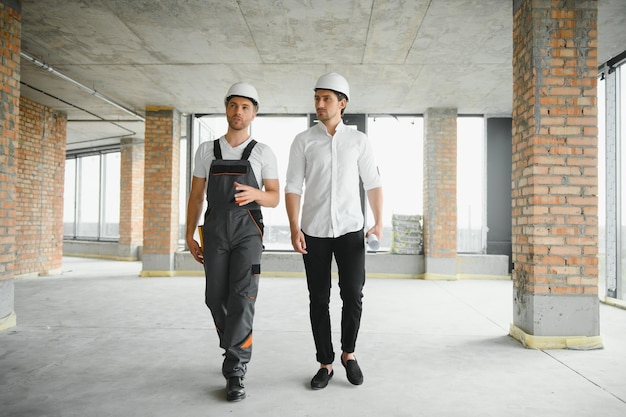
point(98, 340)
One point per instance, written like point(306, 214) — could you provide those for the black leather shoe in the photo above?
point(235, 390)
point(353, 372)
point(321, 378)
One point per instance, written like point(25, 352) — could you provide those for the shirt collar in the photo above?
point(339, 127)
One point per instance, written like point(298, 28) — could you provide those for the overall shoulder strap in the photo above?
point(248, 150)
point(217, 151)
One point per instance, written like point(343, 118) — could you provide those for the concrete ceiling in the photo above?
point(400, 56)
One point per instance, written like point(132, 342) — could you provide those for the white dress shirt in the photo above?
point(327, 170)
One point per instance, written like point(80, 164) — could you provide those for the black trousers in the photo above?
point(349, 253)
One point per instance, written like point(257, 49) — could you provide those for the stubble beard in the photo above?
point(324, 116)
point(236, 125)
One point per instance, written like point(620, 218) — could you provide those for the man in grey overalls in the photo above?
point(229, 171)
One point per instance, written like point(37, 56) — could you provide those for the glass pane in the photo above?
point(278, 133)
point(88, 198)
point(389, 134)
point(183, 189)
point(471, 234)
point(601, 188)
point(622, 180)
point(210, 128)
point(69, 198)
point(111, 196)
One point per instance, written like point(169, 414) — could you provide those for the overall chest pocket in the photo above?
point(222, 179)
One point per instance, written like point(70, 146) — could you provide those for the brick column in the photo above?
point(10, 31)
point(40, 183)
point(554, 174)
point(440, 193)
point(131, 199)
point(161, 178)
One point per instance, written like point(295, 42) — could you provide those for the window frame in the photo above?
point(78, 157)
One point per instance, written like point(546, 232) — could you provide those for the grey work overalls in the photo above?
point(233, 243)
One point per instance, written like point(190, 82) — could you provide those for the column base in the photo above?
point(555, 342)
point(158, 265)
point(440, 277)
point(440, 268)
point(151, 274)
point(8, 321)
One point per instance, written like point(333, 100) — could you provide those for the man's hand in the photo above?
point(298, 242)
point(196, 251)
point(245, 194)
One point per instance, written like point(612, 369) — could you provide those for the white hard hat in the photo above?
point(335, 82)
point(243, 89)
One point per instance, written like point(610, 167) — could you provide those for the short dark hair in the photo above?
point(340, 95)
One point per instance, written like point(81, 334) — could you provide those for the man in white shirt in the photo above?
point(237, 176)
point(328, 160)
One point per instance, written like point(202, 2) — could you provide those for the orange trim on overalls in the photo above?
point(247, 343)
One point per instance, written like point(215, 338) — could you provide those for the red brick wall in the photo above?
point(10, 29)
point(554, 165)
point(162, 155)
point(440, 183)
point(40, 183)
point(131, 192)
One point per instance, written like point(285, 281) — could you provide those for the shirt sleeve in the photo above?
point(270, 165)
point(295, 170)
point(368, 170)
point(200, 163)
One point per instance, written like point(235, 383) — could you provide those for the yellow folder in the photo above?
point(201, 237)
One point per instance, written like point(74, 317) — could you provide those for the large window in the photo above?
point(601, 187)
point(611, 179)
point(621, 105)
point(470, 183)
point(110, 191)
point(278, 132)
point(69, 199)
point(92, 196)
point(398, 142)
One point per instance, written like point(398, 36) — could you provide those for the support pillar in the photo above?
point(555, 175)
point(10, 27)
point(440, 217)
point(131, 199)
point(161, 182)
point(40, 183)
